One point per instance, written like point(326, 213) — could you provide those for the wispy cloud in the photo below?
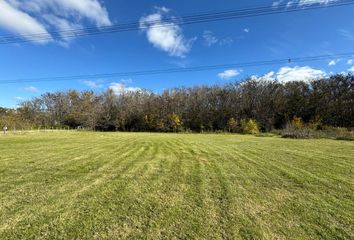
point(20, 99)
point(228, 74)
point(267, 77)
point(126, 81)
point(333, 62)
point(346, 34)
point(210, 39)
point(277, 3)
point(120, 88)
point(19, 22)
point(246, 30)
point(311, 2)
point(63, 25)
point(26, 17)
point(350, 62)
point(31, 89)
point(351, 69)
point(91, 10)
point(93, 84)
point(166, 36)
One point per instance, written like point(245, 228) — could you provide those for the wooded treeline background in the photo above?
point(271, 104)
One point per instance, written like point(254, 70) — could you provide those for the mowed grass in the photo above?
point(72, 185)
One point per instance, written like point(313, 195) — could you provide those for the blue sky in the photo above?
point(298, 34)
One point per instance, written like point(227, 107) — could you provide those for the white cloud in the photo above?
point(21, 23)
point(126, 81)
point(288, 74)
point(346, 34)
point(19, 98)
point(62, 25)
point(31, 89)
point(246, 30)
point(91, 10)
point(267, 77)
point(351, 69)
point(209, 38)
point(26, 17)
point(291, 3)
point(120, 88)
point(166, 36)
point(162, 9)
point(230, 73)
point(350, 62)
point(226, 41)
point(333, 62)
point(93, 84)
point(277, 3)
point(311, 2)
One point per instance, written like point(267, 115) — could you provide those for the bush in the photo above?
point(232, 125)
point(293, 132)
point(296, 129)
point(297, 122)
point(276, 131)
point(328, 132)
point(337, 133)
point(175, 122)
point(316, 123)
point(249, 126)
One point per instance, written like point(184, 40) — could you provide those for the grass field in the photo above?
point(174, 186)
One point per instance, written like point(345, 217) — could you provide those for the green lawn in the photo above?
point(70, 185)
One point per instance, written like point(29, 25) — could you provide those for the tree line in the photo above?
point(268, 104)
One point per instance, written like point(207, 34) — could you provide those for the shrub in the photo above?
point(296, 129)
point(176, 122)
point(276, 131)
point(297, 122)
point(316, 123)
point(328, 132)
point(249, 126)
point(338, 133)
point(232, 125)
point(290, 131)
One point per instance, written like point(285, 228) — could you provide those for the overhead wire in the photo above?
point(184, 20)
point(179, 69)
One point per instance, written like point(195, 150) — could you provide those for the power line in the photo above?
point(178, 70)
point(188, 19)
point(231, 14)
